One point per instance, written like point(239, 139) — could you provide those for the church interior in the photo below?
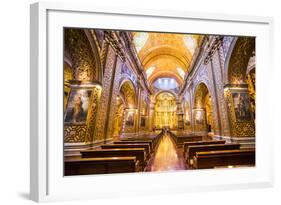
point(139, 101)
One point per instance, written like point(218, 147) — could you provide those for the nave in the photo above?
point(152, 102)
point(167, 157)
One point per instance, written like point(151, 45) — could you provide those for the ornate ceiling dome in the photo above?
point(165, 55)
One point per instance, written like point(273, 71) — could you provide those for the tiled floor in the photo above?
point(166, 157)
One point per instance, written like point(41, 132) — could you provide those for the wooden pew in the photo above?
point(136, 142)
point(104, 165)
point(154, 138)
point(187, 144)
point(122, 146)
point(224, 158)
point(191, 151)
point(181, 139)
point(139, 153)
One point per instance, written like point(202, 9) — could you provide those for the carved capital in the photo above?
point(112, 39)
point(213, 45)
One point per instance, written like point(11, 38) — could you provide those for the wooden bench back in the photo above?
point(180, 140)
point(135, 142)
point(154, 140)
point(210, 147)
point(139, 153)
point(223, 158)
point(187, 144)
point(105, 165)
point(120, 146)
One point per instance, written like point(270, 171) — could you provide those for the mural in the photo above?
point(78, 105)
point(242, 106)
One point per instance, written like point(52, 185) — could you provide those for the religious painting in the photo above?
point(187, 123)
point(199, 117)
point(130, 120)
point(142, 122)
point(242, 106)
point(77, 106)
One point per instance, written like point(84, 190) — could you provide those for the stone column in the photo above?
point(139, 89)
point(151, 116)
point(113, 99)
point(222, 109)
point(100, 133)
point(180, 116)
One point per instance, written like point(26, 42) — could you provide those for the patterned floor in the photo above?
point(166, 157)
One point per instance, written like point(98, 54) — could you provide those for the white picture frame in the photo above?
point(46, 142)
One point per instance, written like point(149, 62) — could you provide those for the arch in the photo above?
point(96, 52)
point(200, 92)
point(165, 74)
point(239, 54)
point(81, 50)
point(203, 108)
point(165, 50)
point(168, 56)
point(128, 91)
point(164, 91)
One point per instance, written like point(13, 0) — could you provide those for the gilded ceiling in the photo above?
point(165, 54)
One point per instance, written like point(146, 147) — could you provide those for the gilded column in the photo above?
point(139, 107)
point(113, 97)
point(105, 95)
point(224, 125)
point(151, 116)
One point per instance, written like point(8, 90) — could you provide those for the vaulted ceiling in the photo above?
point(165, 55)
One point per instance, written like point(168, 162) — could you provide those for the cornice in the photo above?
point(213, 45)
point(113, 40)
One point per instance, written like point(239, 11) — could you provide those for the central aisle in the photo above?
point(167, 157)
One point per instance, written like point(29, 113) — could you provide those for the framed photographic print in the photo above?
point(128, 102)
